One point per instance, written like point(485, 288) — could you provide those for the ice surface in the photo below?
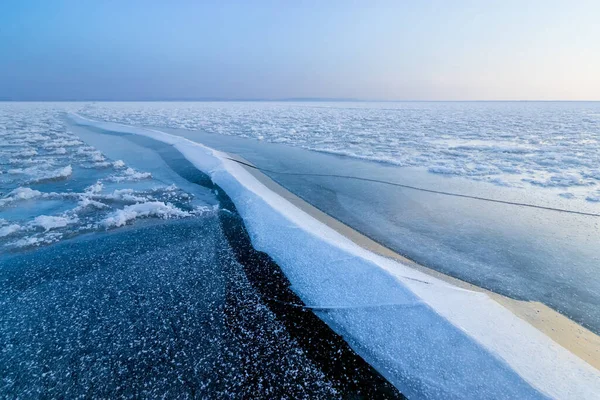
point(508, 144)
point(429, 338)
point(401, 321)
point(131, 315)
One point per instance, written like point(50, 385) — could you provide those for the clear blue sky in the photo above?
point(437, 50)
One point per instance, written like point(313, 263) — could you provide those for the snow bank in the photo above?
point(429, 338)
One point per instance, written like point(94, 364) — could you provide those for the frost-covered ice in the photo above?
point(507, 144)
point(429, 338)
point(129, 315)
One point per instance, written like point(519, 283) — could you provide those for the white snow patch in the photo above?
point(63, 143)
point(444, 170)
point(594, 197)
point(95, 188)
point(21, 193)
point(126, 195)
point(87, 202)
point(130, 174)
point(567, 195)
point(9, 230)
point(27, 242)
point(97, 156)
point(49, 222)
point(39, 176)
point(103, 164)
point(58, 151)
point(26, 153)
point(153, 208)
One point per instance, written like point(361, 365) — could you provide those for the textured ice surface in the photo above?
point(429, 338)
point(508, 144)
point(54, 186)
point(129, 315)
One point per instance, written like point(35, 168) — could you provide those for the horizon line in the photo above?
point(286, 99)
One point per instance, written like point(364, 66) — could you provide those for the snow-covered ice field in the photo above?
point(516, 144)
point(425, 336)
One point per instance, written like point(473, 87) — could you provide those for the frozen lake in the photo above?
point(91, 221)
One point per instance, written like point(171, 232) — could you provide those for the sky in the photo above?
point(371, 49)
